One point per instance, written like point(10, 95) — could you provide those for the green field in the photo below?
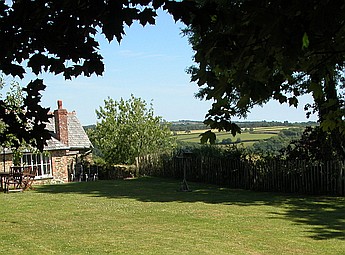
point(247, 138)
point(149, 216)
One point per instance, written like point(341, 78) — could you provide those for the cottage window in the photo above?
point(40, 160)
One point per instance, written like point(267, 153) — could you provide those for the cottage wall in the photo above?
point(8, 163)
point(62, 165)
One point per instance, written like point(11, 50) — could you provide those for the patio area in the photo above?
point(17, 179)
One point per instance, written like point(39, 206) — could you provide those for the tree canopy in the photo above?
point(58, 36)
point(273, 146)
point(246, 52)
point(128, 129)
point(22, 118)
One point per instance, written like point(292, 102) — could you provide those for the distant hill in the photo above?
point(89, 127)
point(183, 125)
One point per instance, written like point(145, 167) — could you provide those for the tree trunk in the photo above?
point(329, 109)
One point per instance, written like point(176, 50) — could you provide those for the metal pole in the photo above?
point(4, 158)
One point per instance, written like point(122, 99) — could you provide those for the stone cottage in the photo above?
point(63, 152)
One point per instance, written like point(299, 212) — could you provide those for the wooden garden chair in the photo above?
point(28, 178)
point(14, 179)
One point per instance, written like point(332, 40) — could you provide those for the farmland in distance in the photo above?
point(247, 137)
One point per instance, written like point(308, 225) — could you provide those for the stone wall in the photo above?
point(8, 162)
point(62, 163)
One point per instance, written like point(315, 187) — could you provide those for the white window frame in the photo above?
point(42, 161)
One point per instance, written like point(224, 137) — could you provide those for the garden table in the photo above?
point(14, 177)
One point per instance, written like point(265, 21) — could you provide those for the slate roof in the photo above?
point(55, 144)
point(77, 137)
point(52, 144)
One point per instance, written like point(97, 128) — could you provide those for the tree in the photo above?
point(22, 119)
point(128, 129)
point(275, 144)
point(14, 101)
point(59, 37)
point(248, 52)
point(314, 145)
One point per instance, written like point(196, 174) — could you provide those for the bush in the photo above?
point(226, 141)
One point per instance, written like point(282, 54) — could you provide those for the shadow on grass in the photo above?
point(324, 215)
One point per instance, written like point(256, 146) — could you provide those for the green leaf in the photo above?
point(305, 41)
point(293, 101)
point(147, 16)
point(157, 3)
point(316, 89)
point(208, 136)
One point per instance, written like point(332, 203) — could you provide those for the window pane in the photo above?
point(38, 158)
point(34, 160)
point(49, 169)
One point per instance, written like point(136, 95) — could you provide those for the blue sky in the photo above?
point(149, 63)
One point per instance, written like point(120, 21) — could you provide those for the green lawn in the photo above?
point(149, 216)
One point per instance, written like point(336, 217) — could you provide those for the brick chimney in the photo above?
point(61, 127)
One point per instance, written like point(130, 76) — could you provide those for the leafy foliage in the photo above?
point(59, 37)
point(273, 145)
point(248, 52)
point(23, 120)
point(128, 129)
point(315, 145)
point(208, 136)
point(208, 150)
point(184, 125)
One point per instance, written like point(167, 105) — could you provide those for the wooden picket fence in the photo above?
point(326, 178)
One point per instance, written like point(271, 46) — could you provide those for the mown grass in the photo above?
point(150, 216)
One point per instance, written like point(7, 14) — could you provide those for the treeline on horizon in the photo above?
point(185, 125)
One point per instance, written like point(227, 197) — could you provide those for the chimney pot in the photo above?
point(59, 103)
